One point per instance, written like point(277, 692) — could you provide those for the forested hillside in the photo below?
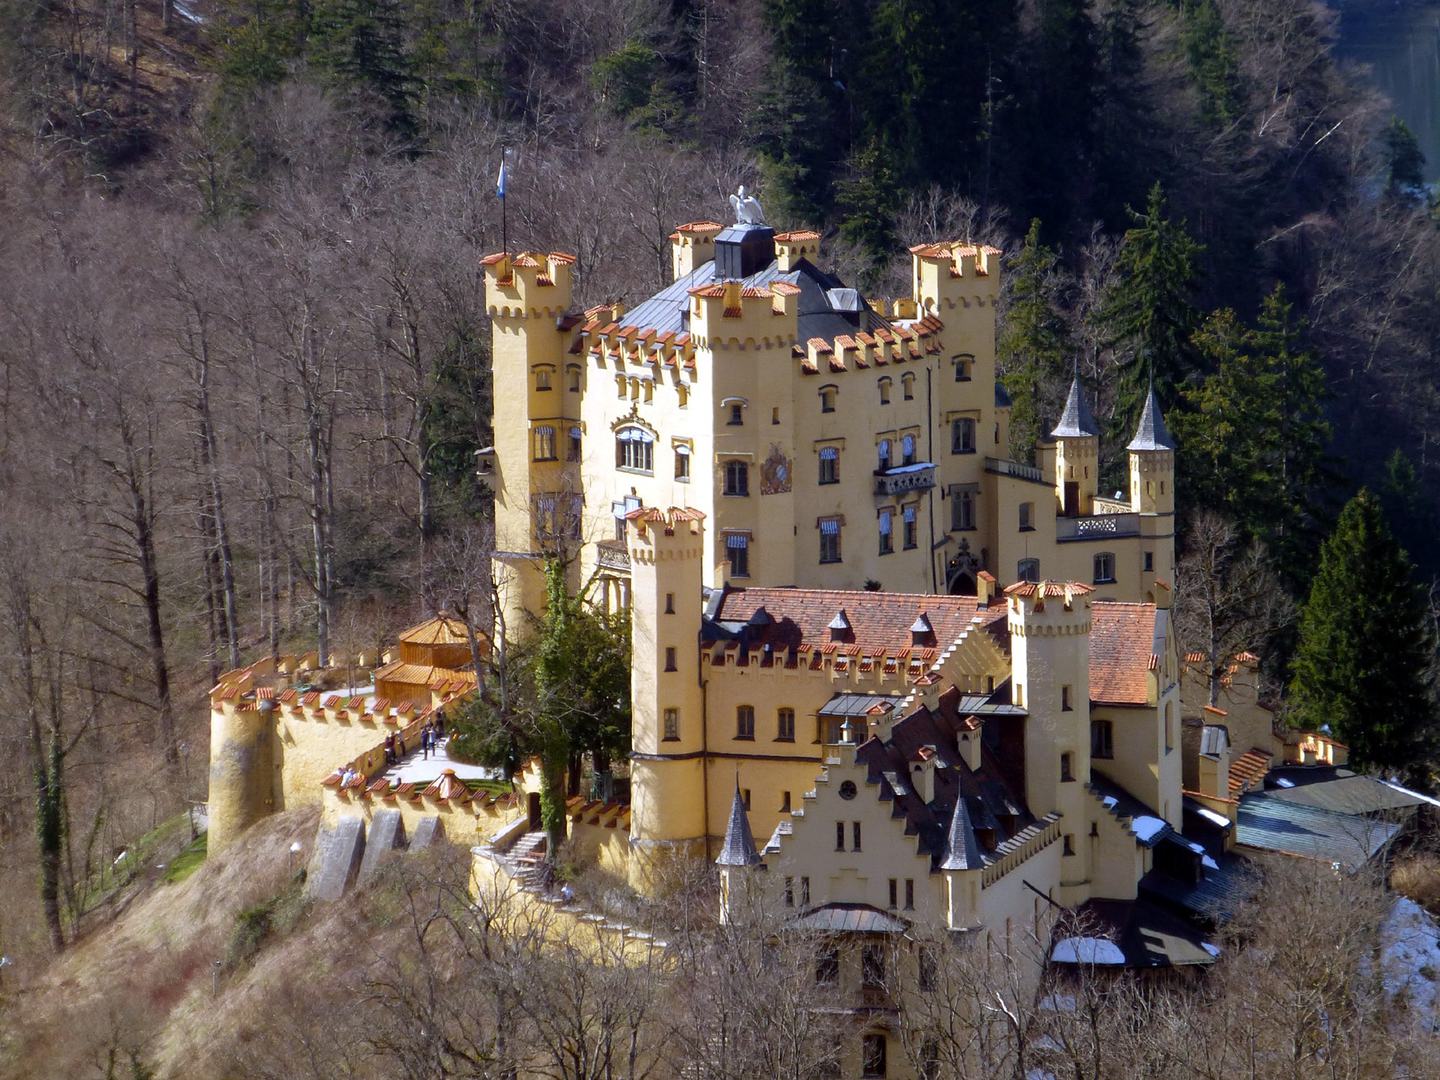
point(245, 355)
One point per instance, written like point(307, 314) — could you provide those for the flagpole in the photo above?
point(504, 216)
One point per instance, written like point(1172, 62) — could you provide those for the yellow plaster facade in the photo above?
point(829, 440)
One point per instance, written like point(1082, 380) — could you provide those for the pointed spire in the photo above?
point(1077, 421)
point(1152, 434)
point(962, 849)
point(739, 846)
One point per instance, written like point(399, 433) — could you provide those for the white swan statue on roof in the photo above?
point(747, 208)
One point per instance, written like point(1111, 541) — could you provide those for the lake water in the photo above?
point(1401, 43)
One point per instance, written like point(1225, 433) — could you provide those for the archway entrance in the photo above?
point(960, 571)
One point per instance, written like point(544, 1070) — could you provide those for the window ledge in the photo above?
point(744, 738)
point(1027, 528)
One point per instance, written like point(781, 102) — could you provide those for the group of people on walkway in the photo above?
point(430, 737)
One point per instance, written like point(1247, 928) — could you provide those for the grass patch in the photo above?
point(143, 852)
point(188, 861)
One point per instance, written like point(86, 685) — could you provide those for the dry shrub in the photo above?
point(1418, 877)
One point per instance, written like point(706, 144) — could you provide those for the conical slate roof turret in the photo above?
point(739, 846)
point(962, 850)
point(1152, 434)
point(1077, 421)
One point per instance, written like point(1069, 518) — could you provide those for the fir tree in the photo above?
point(1363, 666)
point(1148, 315)
point(1033, 343)
point(1404, 161)
point(1253, 439)
point(361, 43)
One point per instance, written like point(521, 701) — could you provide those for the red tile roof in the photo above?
point(1248, 769)
point(797, 236)
point(1122, 642)
point(877, 620)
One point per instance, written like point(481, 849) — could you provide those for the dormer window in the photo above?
point(839, 627)
point(922, 632)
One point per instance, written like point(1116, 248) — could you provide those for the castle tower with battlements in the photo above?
point(830, 440)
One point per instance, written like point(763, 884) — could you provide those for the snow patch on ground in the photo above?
point(1060, 1003)
point(1410, 957)
point(1146, 828)
point(1213, 950)
point(1086, 950)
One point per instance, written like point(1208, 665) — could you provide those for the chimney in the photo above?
point(742, 250)
point(984, 587)
point(968, 741)
point(922, 775)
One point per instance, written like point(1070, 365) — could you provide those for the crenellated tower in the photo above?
point(533, 468)
point(1050, 678)
point(666, 552)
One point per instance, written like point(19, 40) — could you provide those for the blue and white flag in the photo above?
point(500, 181)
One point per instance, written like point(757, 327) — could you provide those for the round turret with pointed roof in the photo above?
point(1077, 421)
point(1152, 434)
point(739, 846)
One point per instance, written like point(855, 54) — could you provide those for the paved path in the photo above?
point(414, 768)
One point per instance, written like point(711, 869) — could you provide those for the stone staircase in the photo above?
point(525, 861)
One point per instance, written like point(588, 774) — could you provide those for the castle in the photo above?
point(880, 670)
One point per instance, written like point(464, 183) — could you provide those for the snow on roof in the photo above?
point(1086, 950)
point(1211, 815)
point(1147, 828)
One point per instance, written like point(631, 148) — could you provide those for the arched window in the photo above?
point(682, 463)
point(828, 394)
point(963, 365)
point(907, 383)
point(908, 518)
point(544, 443)
point(635, 450)
point(907, 450)
point(572, 376)
point(542, 377)
point(887, 532)
point(829, 465)
point(883, 455)
point(885, 390)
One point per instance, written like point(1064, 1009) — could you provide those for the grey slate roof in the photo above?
point(669, 309)
point(1345, 794)
point(858, 704)
point(739, 846)
point(1215, 896)
point(1152, 434)
point(1077, 421)
point(962, 852)
point(1271, 824)
point(850, 919)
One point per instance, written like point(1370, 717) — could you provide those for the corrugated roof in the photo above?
point(1344, 795)
point(1271, 824)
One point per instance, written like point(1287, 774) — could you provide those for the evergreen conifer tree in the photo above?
point(1363, 666)
point(361, 43)
point(1033, 343)
point(1148, 314)
point(1254, 437)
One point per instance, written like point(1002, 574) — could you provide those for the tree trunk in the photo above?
point(318, 537)
point(48, 774)
point(210, 459)
point(143, 524)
